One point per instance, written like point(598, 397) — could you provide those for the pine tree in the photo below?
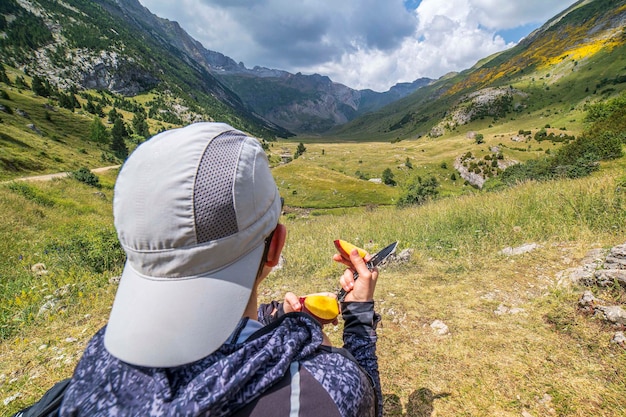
point(140, 126)
point(3, 76)
point(113, 116)
point(388, 177)
point(118, 134)
point(299, 150)
point(39, 87)
point(98, 132)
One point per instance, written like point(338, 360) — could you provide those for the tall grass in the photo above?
point(67, 227)
point(460, 228)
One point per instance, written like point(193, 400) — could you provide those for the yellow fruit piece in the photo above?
point(345, 248)
point(322, 306)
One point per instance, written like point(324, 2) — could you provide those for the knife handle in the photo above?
point(341, 295)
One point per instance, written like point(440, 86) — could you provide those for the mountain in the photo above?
point(120, 48)
point(297, 102)
point(575, 58)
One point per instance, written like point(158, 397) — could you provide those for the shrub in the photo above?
point(84, 175)
point(299, 150)
point(387, 177)
point(419, 192)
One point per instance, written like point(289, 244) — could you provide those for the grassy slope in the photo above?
point(548, 360)
point(61, 142)
point(559, 79)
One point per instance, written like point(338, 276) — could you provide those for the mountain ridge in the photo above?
point(118, 54)
point(121, 47)
point(322, 104)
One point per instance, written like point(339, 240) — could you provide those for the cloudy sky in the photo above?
point(360, 43)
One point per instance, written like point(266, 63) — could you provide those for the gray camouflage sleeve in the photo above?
point(359, 338)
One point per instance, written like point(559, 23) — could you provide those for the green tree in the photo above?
point(419, 192)
point(93, 108)
point(98, 132)
point(20, 82)
point(299, 150)
point(113, 116)
point(3, 76)
point(140, 125)
point(68, 101)
point(387, 177)
point(118, 136)
point(40, 86)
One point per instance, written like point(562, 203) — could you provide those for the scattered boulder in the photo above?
point(52, 305)
point(598, 272)
point(39, 269)
point(400, 258)
point(440, 328)
point(613, 314)
point(22, 113)
point(620, 339)
point(34, 128)
point(608, 277)
point(528, 247)
point(587, 301)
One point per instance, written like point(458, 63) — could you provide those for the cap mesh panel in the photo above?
point(213, 192)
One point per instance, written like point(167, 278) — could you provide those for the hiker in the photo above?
point(196, 210)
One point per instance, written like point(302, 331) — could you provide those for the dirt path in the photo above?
point(48, 177)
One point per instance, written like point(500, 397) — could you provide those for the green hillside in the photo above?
point(554, 74)
point(101, 45)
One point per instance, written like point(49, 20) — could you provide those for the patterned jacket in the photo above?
point(280, 370)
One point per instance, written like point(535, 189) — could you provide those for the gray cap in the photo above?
point(192, 208)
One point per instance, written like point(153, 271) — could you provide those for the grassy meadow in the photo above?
point(547, 360)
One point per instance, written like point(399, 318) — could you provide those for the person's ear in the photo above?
point(276, 245)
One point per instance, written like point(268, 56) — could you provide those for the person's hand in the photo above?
point(294, 303)
point(291, 303)
point(363, 288)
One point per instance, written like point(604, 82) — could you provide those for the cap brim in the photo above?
point(170, 322)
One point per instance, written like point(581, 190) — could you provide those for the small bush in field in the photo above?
point(86, 176)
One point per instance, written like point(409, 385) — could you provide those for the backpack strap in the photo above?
point(49, 404)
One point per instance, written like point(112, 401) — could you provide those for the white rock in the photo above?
point(440, 327)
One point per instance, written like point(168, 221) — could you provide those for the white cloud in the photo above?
point(360, 43)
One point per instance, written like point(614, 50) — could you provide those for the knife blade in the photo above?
point(378, 258)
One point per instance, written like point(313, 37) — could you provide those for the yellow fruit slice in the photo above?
point(323, 307)
point(345, 248)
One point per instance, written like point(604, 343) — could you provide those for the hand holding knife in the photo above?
point(378, 258)
point(325, 308)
